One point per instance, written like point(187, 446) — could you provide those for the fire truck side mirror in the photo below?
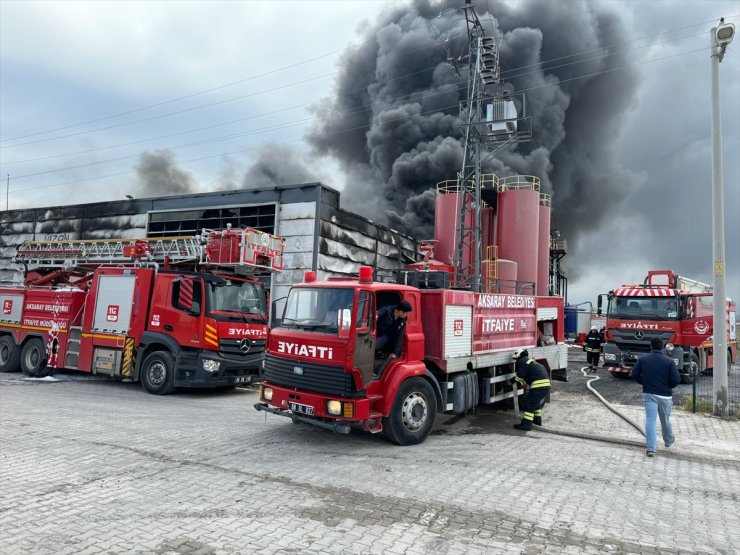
point(344, 322)
point(599, 303)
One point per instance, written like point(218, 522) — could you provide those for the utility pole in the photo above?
point(7, 194)
point(720, 37)
point(493, 118)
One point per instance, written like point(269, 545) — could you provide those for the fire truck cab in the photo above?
point(676, 309)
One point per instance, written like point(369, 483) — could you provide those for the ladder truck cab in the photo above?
point(167, 312)
point(676, 309)
point(321, 366)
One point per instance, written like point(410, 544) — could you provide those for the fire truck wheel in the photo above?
point(10, 355)
point(33, 359)
point(692, 369)
point(413, 413)
point(158, 374)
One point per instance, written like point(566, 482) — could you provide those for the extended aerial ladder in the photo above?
point(243, 251)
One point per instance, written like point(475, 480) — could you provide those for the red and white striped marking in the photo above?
point(647, 292)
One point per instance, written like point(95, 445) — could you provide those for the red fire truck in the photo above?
point(676, 309)
point(457, 352)
point(168, 312)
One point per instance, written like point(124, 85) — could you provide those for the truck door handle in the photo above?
point(167, 327)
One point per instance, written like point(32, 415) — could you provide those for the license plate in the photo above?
point(242, 379)
point(301, 409)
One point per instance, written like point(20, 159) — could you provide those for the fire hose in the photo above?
point(592, 436)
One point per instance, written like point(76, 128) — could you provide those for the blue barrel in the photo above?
point(571, 321)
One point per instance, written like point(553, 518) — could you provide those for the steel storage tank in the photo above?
point(571, 321)
point(517, 226)
point(543, 246)
point(446, 207)
point(507, 272)
point(486, 236)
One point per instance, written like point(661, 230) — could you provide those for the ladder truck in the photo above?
point(166, 312)
point(676, 309)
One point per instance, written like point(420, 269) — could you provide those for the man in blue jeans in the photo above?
point(658, 375)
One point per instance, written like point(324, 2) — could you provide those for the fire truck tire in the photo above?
point(413, 414)
point(692, 370)
point(10, 355)
point(33, 359)
point(158, 373)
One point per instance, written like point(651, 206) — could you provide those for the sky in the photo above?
point(99, 100)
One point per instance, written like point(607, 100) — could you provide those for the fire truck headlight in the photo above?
point(211, 366)
point(334, 407)
point(610, 356)
point(669, 347)
point(266, 393)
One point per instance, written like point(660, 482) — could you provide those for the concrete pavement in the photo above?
point(90, 466)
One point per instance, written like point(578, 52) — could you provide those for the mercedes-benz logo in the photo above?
point(639, 334)
point(244, 345)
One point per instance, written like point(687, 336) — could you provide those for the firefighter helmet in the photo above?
point(519, 353)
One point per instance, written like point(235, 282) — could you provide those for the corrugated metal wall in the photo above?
point(319, 235)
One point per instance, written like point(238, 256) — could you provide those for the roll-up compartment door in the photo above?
point(113, 304)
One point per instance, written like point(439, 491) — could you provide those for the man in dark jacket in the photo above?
point(592, 346)
point(532, 376)
point(389, 334)
point(658, 375)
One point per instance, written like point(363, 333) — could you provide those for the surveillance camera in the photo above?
point(724, 34)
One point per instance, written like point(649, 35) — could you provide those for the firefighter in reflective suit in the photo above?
point(592, 346)
point(533, 377)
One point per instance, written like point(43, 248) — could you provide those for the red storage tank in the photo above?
point(507, 275)
point(487, 227)
point(517, 226)
point(543, 249)
point(446, 210)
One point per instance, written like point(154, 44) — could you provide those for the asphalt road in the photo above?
point(628, 392)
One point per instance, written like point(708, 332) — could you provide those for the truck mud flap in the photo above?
point(336, 427)
point(559, 375)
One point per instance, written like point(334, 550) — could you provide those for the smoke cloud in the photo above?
point(393, 122)
point(278, 165)
point(159, 175)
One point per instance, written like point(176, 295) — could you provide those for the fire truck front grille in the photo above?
point(233, 347)
point(318, 378)
point(629, 341)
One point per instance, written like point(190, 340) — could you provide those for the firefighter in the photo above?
point(533, 377)
point(389, 334)
point(592, 346)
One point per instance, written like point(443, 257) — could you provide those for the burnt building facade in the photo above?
point(319, 235)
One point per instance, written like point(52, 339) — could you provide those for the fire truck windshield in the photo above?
point(316, 309)
point(235, 296)
point(643, 308)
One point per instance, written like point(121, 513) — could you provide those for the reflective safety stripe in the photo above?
point(528, 416)
point(540, 383)
point(538, 412)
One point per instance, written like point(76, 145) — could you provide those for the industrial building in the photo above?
point(319, 235)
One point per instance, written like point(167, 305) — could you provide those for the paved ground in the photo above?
point(89, 466)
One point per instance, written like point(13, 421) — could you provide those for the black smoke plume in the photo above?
point(159, 175)
point(393, 121)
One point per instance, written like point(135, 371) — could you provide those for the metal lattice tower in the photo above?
point(492, 118)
